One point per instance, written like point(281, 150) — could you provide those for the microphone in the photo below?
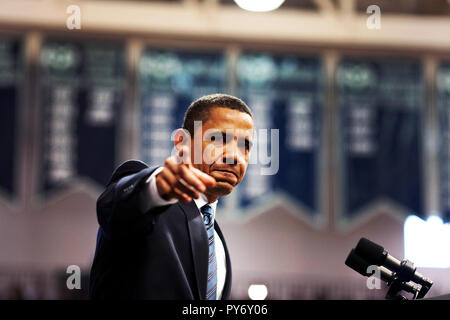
point(375, 254)
point(360, 265)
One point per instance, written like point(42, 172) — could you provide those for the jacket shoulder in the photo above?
point(127, 168)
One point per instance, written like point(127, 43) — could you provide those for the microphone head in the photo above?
point(371, 252)
point(357, 263)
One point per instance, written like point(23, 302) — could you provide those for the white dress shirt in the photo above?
point(150, 199)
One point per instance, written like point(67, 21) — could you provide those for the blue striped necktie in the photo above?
point(211, 285)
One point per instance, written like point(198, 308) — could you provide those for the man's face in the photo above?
point(225, 139)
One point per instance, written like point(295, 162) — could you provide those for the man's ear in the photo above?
point(182, 137)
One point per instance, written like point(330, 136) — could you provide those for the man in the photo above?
point(158, 236)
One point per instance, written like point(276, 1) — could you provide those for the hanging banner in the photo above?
point(443, 103)
point(11, 79)
point(82, 96)
point(381, 104)
point(285, 93)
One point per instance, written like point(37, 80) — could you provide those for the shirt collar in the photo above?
point(202, 200)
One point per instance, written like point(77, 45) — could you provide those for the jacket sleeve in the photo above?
point(118, 207)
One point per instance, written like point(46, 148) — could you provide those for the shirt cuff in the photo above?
point(150, 197)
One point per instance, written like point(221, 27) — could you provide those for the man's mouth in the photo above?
point(227, 171)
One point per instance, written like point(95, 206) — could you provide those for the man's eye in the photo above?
point(217, 138)
point(244, 144)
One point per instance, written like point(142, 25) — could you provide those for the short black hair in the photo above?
point(199, 109)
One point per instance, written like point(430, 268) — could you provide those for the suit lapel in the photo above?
point(199, 245)
point(228, 279)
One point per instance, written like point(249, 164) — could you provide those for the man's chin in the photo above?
point(222, 188)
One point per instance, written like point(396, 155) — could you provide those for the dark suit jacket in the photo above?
point(159, 254)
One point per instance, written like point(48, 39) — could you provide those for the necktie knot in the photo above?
point(207, 214)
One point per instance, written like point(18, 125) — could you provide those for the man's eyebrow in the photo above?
point(216, 132)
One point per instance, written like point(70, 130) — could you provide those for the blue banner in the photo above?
point(285, 93)
point(11, 71)
point(381, 104)
point(443, 103)
point(82, 95)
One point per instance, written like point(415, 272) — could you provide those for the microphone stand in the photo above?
point(395, 287)
point(405, 274)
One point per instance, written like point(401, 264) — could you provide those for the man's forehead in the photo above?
point(226, 120)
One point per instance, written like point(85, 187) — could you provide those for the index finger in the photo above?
point(205, 178)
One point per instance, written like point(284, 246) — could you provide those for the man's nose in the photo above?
point(232, 154)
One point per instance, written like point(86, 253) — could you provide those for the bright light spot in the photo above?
point(435, 221)
point(427, 243)
point(257, 292)
point(259, 5)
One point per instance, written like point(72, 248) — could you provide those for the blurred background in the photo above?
point(363, 112)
